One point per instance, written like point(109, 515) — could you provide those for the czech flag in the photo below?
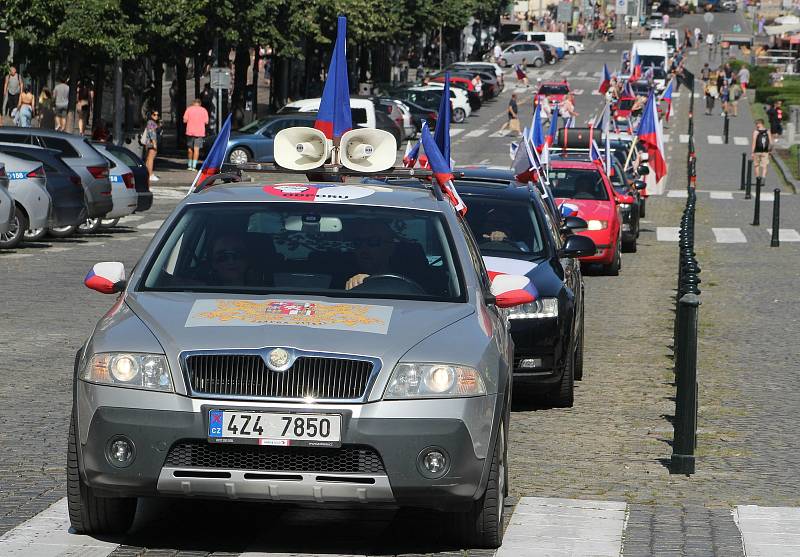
point(441, 134)
point(594, 154)
point(627, 91)
point(551, 133)
point(636, 68)
point(514, 289)
point(667, 98)
point(411, 155)
point(441, 170)
point(216, 155)
point(334, 117)
point(606, 83)
point(649, 134)
point(568, 210)
point(523, 165)
point(648, 73)
point(537, 130)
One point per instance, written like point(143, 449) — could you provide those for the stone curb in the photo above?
point(787, 174)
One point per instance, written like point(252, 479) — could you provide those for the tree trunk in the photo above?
point(256, 63)
point(241, 62)
point(182, 72)
point(99, 86)
point(74, 74)
point(158, 86)
point(198, 73)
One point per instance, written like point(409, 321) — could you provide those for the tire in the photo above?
point(613, 268)
point(538, 63)
point(89, 226)
point(563, 396)
point(459, 115)
point(35, 235)
point(579, 354)
point(62, 231)
point(572, 51)
point(240, 155)
point(16, 230)
point(108, 223)
point(89, 514)
point(482, 526)
point(629, 246)
point(642, 203)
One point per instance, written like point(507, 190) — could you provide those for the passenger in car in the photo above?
point(229, 264)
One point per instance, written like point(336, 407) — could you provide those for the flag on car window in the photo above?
point(334, 117)
point(216, 155)
point(649, 135)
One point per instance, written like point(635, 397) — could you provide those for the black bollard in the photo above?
point(685, 438)
point(776, 220)
point(749, 179)
point(757, 204)
point(725, 126)
point(744, 164)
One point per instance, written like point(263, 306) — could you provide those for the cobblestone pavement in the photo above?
point(613, 445)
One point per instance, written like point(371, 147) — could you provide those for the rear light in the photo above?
point(128, 179)
point(388, 110)
point(36, 173)
point(98, 172)
point(399, 122)
point(76, 180)
point(432, 115)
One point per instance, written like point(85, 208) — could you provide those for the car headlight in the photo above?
point(133, 370)
point(625, 206)
point(542, 308)
point(418, 380)
point(597, 225)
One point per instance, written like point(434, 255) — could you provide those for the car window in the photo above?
point(505, 229)
point(253, 126)
point(61, 145)
point(475, 256)
point(359, 115)
point(278, 125)
point(15, 138)
point(309, 248)
point(126, 156)
point(553, 90)
point(578, 183)
point(24, 155)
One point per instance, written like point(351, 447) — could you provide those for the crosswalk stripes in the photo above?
point(720, 195)
point(715, 139)
point(498, 134)
point(151, 225)
point(598, 74)
point(456, 131)
point(667, 233)
point(169, 193)
point(719, 140)
point(476, 133)
point(583, 74)
point(665, 138)
point(600, 50)
point(613, 51)
point(786, 234)
point(729, 235)
point(740, 140)
point(578, 91)
point(547, 74)
point(684, 138)
point(566, 73)
point(682, 194)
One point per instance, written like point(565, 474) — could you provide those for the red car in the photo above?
point(555, 91)
point(585, 185)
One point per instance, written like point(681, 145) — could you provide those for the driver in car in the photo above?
point(229, 263)
point(497, 229)
point(374, 247)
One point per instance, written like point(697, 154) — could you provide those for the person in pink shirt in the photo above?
point(196, 118)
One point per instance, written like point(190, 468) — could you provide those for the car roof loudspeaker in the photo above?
point(301, 148)
point(368, 150)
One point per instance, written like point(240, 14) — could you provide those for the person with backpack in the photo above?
point(760, 150)
point(61, 98)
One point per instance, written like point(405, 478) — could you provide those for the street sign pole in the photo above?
point(220, 80)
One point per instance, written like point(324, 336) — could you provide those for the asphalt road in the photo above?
point(610, 447)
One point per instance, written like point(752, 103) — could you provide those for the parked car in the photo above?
point(489, 67)
point(140, 174)
point(379, 424)
point(254, 141)
point(26, 184)
point(554, 91)
point(490, 87)
point(362, 109)
point(513, 231)
point(585, 185)
point(551, 53)
point(7, 205)
point(458, 99)
point(79, 155)
point(123, 192)
point(399, 113)
point(62, 183)
point(464, 83)
point(575, 47)
point(385, 123)
point(515, 53)
point(420, 113)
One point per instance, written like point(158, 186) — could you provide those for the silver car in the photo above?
point(7, 207)
point(515, 53)
point(28, 187)
point(321, 343)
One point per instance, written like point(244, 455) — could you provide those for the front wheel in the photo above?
point(35, 234)
point(482, 525)
point(538, 63)
point(613, 268)
point(62, 231)
point(16, 230)
point(642, 203)
point(88, 513)
point(459, 115)
point(239, 156)
point(564, 394)
point(89, 226)
point(572, 50)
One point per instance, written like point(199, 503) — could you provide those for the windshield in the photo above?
point(647, 61)
point(553, 90)
point(578, 183)
point(253, 126)
point(505, 229)
point(311, 248)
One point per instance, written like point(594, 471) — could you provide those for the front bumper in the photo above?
point(396, 439)
point(605, 247)
point(540, 343)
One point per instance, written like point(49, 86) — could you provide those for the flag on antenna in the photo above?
point(334, 117)
point(441, 169)
point(441, 133)
point(216, 155)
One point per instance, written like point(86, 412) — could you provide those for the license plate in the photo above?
point(267, 428)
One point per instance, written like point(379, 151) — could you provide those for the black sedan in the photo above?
point(514, 234)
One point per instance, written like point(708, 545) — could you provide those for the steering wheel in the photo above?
point(505, 241)
point(390, 276)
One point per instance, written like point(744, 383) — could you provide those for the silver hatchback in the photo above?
point(320, 343)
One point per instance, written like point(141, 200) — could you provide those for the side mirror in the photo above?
point(107, 277)
point(643, 170)
point(578, 246)
point(574, 224)
point(639, 184)
point(513, 290)
point(628, 199)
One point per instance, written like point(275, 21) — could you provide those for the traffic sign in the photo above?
point(220, 78)
point(708, 17)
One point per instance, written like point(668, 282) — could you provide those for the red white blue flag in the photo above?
point(411, 155)
point(667, 98)
point(537, 136)
point(216, 155)
point(551, 133)
point(441, 134)
point(334, 117)
point(441, 169)
point(649, 134)
point(606, 83)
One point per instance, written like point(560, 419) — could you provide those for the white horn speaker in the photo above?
point(368, 150)
point(301, 148)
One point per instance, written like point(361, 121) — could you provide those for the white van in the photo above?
point(558, 40)
point(653, 54)
point(669, 36)
point(363, 110)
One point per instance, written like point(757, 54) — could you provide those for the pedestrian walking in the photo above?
point(761, 22)
point(150, 140)
point(698, 36)
point(687, 38)
point(705, 72)
point(521, 71)
point(61, 98)
point(711, 93)
point(512, 111)
point(12, 87)
point(47, 111)
point(775, 115)
point(710, 42)
point(207, 99)
point(84, 105)
point(496, 52)
point(760, 148)
point(477, 84)
point(567, 109)
point(744, 78)
point(25, 108)
point(196, 119)
point(734, 94)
